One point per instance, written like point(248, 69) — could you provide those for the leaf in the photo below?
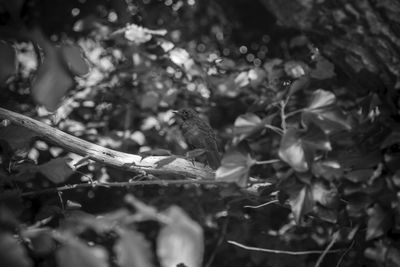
point(391, 139)
point(53, 79)
point(181, 58)
point(73, 56)
point(132, 250)
point(242, 79)
point(41, 241)
point(323, 112)
point(162, 162)
point(320, 99)
point(325, 195)
point(17, 138)
point(384, 254)
point(378, 222)
point(75, 253)
point(56, 170)
point(12, 254)
point(324, 69)
point(301, 201)
point(181, 241)
point(299, 84)
point(235, 168)
point(246, 125)
point(357, 176)
point(328, 169)
point(8, 64)
point(195, 153)
point(298, 147)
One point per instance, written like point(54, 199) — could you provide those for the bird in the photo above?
point(198, 134)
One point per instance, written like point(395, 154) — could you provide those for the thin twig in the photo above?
point(287, 252)
point(344, 253)
point(333, 241)
point(219, 242)
point(294, 112)
point(263, 205)
point(275, 129)
point(283, 116)
point(120, 184)
point(267, 162)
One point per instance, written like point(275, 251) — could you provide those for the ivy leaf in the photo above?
point(301, 202)
point(325, 195)
point(73, 56)
point(41, 240)
point(132, 250)
point(357, 176)
point(324, 69)
point(384, 254)
point(53, 78)
point(378, 222)
point(75, 253)
point(298, 146)
point(328, 169)
point(56, 170)
point(8, 63)
point(299, 84)
point(320, 99)
point(323, 112)
point(245, 125)
point(162, 162)
point(235, 168)
point(181, 241)
point(12, 253)
point(17, 138)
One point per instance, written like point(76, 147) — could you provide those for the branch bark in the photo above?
point(177, 168)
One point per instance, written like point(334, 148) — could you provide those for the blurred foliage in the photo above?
point(292, 129)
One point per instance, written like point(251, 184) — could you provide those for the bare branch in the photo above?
point(296, 253)
point(129, 162)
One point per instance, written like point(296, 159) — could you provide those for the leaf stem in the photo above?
point(294, 112)
point(333, 241)
point(263, 205)
point(267, 162)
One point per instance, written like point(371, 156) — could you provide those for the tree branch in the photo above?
point(129, 162)
point(119, 184)
point(287, 252)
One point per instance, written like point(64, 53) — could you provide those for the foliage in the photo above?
point(293, 129)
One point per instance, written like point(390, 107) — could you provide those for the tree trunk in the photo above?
point(361, 37)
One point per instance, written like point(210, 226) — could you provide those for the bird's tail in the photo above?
point(213, 159)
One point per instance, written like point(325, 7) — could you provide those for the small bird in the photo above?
point(198, 135)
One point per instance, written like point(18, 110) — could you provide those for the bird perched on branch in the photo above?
point(198, 135)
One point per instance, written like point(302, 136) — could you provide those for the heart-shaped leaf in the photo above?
point(301, 202)
point(73, 56)
point(235, 168)
point(132, 250)
point(53, 79)
point(75, 253)
point(8, 65)
point(245, 125)
point(323, 112)
point(298, 147)
point(378, 222)
point(181, 241)
point(324, 69)
point(56, 170)
point(12, 253)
